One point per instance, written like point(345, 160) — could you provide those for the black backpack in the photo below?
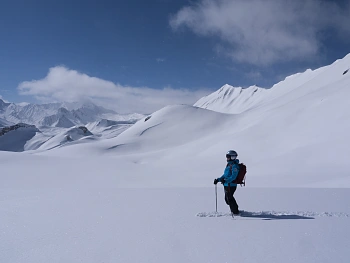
point(241, 174)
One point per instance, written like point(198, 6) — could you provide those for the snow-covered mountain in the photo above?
point(63, 115)
point(56, 120)
point(30, 113)
point(66, 118)
point(304, 112)
point(294, 122)
point(4, 123)
point(3, 105)
point(231, 99)
point(67, 136)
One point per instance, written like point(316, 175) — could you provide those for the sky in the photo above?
point(159, 52)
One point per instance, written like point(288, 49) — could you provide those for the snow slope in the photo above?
point(306, 128)
point(303, 122)
point(235, 100)
point(107, 129)
point(83, 209)
point(4, 123)
point(68, 136)
point(232, 99)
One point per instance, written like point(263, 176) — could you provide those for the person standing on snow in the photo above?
point(228, 178)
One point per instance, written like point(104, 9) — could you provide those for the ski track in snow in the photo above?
point(268, 215)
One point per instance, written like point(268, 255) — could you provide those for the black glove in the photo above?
point(216, 181)
point(222, 181)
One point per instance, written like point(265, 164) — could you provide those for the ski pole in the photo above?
point(216, 198)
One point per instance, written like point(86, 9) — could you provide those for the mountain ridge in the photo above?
point(236, 100)
point(62, 114)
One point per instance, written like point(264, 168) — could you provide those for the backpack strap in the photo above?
point(230, 167)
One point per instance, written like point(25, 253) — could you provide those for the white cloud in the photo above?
point(160, 59)
point(263, 32)
point(63, 84)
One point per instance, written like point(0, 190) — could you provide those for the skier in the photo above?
point(227, 179)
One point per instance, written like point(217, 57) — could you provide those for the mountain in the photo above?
point(30, 113)
point(231, 99)
point(3, 105)
point(65, 137)
point(300, 122)
point(62, 118)
point(62, 115)
point(53, 120)
point(305, 114)
point(4, 123)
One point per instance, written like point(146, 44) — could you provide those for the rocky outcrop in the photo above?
point(5, 130)
point(85, 130)
point(14, 138)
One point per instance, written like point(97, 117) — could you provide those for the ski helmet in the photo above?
point(231, 154)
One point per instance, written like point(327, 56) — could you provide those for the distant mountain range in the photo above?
point(47, 126)
point(64, 115)
point(299, 116)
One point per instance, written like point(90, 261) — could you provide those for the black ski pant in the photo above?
point(230, 200)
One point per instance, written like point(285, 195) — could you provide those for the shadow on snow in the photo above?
point(264, 215)
point(272, 216)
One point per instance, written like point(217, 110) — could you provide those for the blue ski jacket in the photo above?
point(229, 176)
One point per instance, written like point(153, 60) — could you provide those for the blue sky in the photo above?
point(161, 51)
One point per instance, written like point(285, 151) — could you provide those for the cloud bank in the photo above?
point(266, 32)
point(63, 84)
